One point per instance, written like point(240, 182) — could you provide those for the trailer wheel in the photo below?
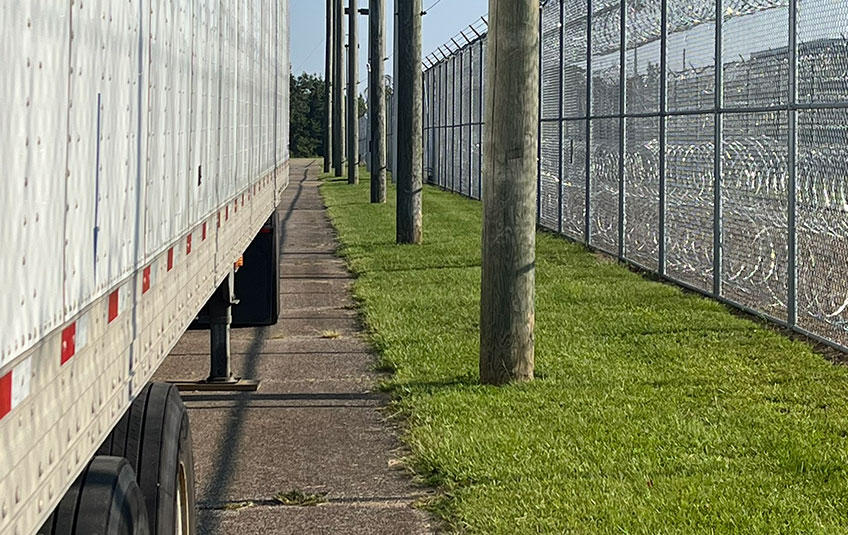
point(104, 500)
point(155, 438)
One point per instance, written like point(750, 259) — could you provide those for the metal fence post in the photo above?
point(539, 141)
point(445, 122)
point(460, 55)
point(559, 115)
point(482, 122)
point(435, 122)
point(453, 124)
point(470, 122)
point(588, 218)
point(622, 94)
point(470, 127)
point(662, 140)
point(719, 102)
point(792, 301)
point(432, 120)
point(439, 133)
point(470, 119)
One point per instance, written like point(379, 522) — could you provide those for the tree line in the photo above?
point(306, 131)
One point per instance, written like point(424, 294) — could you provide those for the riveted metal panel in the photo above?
point(245, 88)
point(33, 148)
point(102, 142)
point(200, 85)
point(227, 151)
point(256, 90)
point(161, 92)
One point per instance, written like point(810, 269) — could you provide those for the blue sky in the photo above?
point(442, 22)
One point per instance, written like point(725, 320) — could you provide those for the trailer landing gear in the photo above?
point(257, 286)
point(221, 377)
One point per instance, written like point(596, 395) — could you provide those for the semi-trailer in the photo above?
point(143, 150)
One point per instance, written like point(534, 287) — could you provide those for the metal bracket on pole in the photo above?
point(221, 377)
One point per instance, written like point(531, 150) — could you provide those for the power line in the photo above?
point(432, 6)
point(302, 63)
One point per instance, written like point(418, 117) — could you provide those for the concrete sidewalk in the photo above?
point(315, 424)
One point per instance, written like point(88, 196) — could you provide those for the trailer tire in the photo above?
point(154, 436)
point(104, 500)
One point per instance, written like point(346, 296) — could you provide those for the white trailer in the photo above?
point(143, 145)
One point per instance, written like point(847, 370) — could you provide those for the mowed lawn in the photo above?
point(655, 411)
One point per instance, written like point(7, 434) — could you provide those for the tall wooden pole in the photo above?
point(409, 134)
point(328, 90)
point(507, 300)
point(353, 94)
point(338, 89)
point(394, 110)
point(377, 98)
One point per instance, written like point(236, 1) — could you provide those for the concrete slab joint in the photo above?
point(314, 430)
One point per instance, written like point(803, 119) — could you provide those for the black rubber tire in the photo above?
point(154, 436)
point(104, 500)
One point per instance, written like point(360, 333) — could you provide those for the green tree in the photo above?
point(307, 116)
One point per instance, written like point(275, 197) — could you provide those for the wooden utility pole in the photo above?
point(377, 97)
point(353, 94)
point(338, 89)
point(394, 110)
point(507, 299)
point(410, 142)
point(328, 91)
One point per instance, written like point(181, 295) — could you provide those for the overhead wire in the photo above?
point(320, 44)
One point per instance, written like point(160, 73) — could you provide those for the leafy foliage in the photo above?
point(306, 137)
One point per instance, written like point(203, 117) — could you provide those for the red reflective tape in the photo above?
point(170, 259)
point(113, 305)
point(188, 244)
point(145, 280)
point(235, 206)
point(68, 342)
point(227, 213)
point(204, 230)
point(242, 199)
point(5, 394)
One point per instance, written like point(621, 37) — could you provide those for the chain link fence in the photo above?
point(704, 141)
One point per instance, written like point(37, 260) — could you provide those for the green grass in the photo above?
point(655, 411)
